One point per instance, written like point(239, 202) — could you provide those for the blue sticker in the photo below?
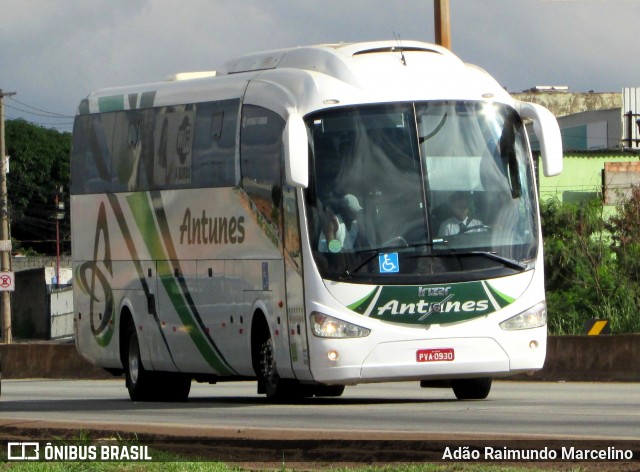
point(388, 263)
point(265, 276)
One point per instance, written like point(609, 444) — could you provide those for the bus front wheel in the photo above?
point(273, 385)
point(276, 388)
point(471, 389)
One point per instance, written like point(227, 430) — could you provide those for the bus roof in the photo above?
point(344, 73)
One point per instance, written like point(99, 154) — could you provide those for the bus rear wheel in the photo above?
point(144, 385)
point(139, 381)
point(471, 389)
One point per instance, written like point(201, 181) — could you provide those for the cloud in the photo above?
point(55, 53)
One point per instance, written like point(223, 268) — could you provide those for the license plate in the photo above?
point(435, 355)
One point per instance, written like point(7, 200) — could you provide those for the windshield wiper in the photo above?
point(512, 263)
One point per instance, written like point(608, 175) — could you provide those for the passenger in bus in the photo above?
point(460, 221)
point(341, 230)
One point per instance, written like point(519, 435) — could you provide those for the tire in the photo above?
point(471, 389)
point(268, 375)
point(277, 389)
point(144, 385)
point(139, 382)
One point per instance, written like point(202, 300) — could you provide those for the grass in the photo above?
point(221, 467)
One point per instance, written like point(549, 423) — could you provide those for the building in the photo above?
point(601, 141)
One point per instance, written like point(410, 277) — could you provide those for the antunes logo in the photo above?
point(211, 229)
point(429, 304)
point(93, 277)
point(425, 308)
point(183, 140)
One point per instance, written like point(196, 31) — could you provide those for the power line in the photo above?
point(50, 114)
point(60, 125)
point(65, 124)
point(55, 117)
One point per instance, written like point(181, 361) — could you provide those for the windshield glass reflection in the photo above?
point(443, 189)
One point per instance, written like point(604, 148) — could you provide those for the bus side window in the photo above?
point(261, 152)
point(214, 147)
point(91, 153)
point(132, 162)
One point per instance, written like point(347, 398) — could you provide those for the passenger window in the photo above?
point(261, 152)
point(214, 148)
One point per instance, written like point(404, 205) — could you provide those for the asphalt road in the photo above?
point(390, 411)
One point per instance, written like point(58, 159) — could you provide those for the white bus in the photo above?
point(287, 219)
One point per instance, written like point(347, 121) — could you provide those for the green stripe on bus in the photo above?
point(143, 214)
point(361, 305)
point(501, 298)
point(111, 103)
point(135, 258)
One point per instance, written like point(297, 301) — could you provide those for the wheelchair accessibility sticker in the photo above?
point(388, 263)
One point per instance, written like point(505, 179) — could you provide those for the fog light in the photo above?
point(332, 355)
point(533, 344)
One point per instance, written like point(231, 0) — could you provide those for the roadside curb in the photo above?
point(47, 360)
point(606, 358)
point(611, 358)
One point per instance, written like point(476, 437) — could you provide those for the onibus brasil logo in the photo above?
point(51, 452)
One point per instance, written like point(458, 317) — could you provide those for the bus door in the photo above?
point(264, 111)
point(296, 317)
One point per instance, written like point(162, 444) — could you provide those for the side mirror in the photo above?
point(546, 128)
point(296, 151)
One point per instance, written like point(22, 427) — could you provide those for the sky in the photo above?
point(53, 53)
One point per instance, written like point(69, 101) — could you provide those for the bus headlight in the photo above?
point(325, 326)
point(532, 318)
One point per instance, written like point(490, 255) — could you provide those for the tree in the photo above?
point(39, 167)
point(625, 230)
point(592, 264)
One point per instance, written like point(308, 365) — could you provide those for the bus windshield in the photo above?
point(421, 192)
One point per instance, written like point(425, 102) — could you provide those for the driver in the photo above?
point(460, 222)
point(341, 231)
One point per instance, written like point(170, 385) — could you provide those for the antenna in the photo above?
point(400, 48)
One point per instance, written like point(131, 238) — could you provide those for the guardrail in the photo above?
point(611, 358)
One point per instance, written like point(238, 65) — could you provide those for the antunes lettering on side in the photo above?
point(211, 229)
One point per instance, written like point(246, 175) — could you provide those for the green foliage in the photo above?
point(625, 230)
point(39, 167)
point(592, 265)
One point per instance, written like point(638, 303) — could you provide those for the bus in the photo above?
point(287, 219)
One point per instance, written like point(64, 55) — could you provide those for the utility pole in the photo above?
point(442, 23)
point(5, 238)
